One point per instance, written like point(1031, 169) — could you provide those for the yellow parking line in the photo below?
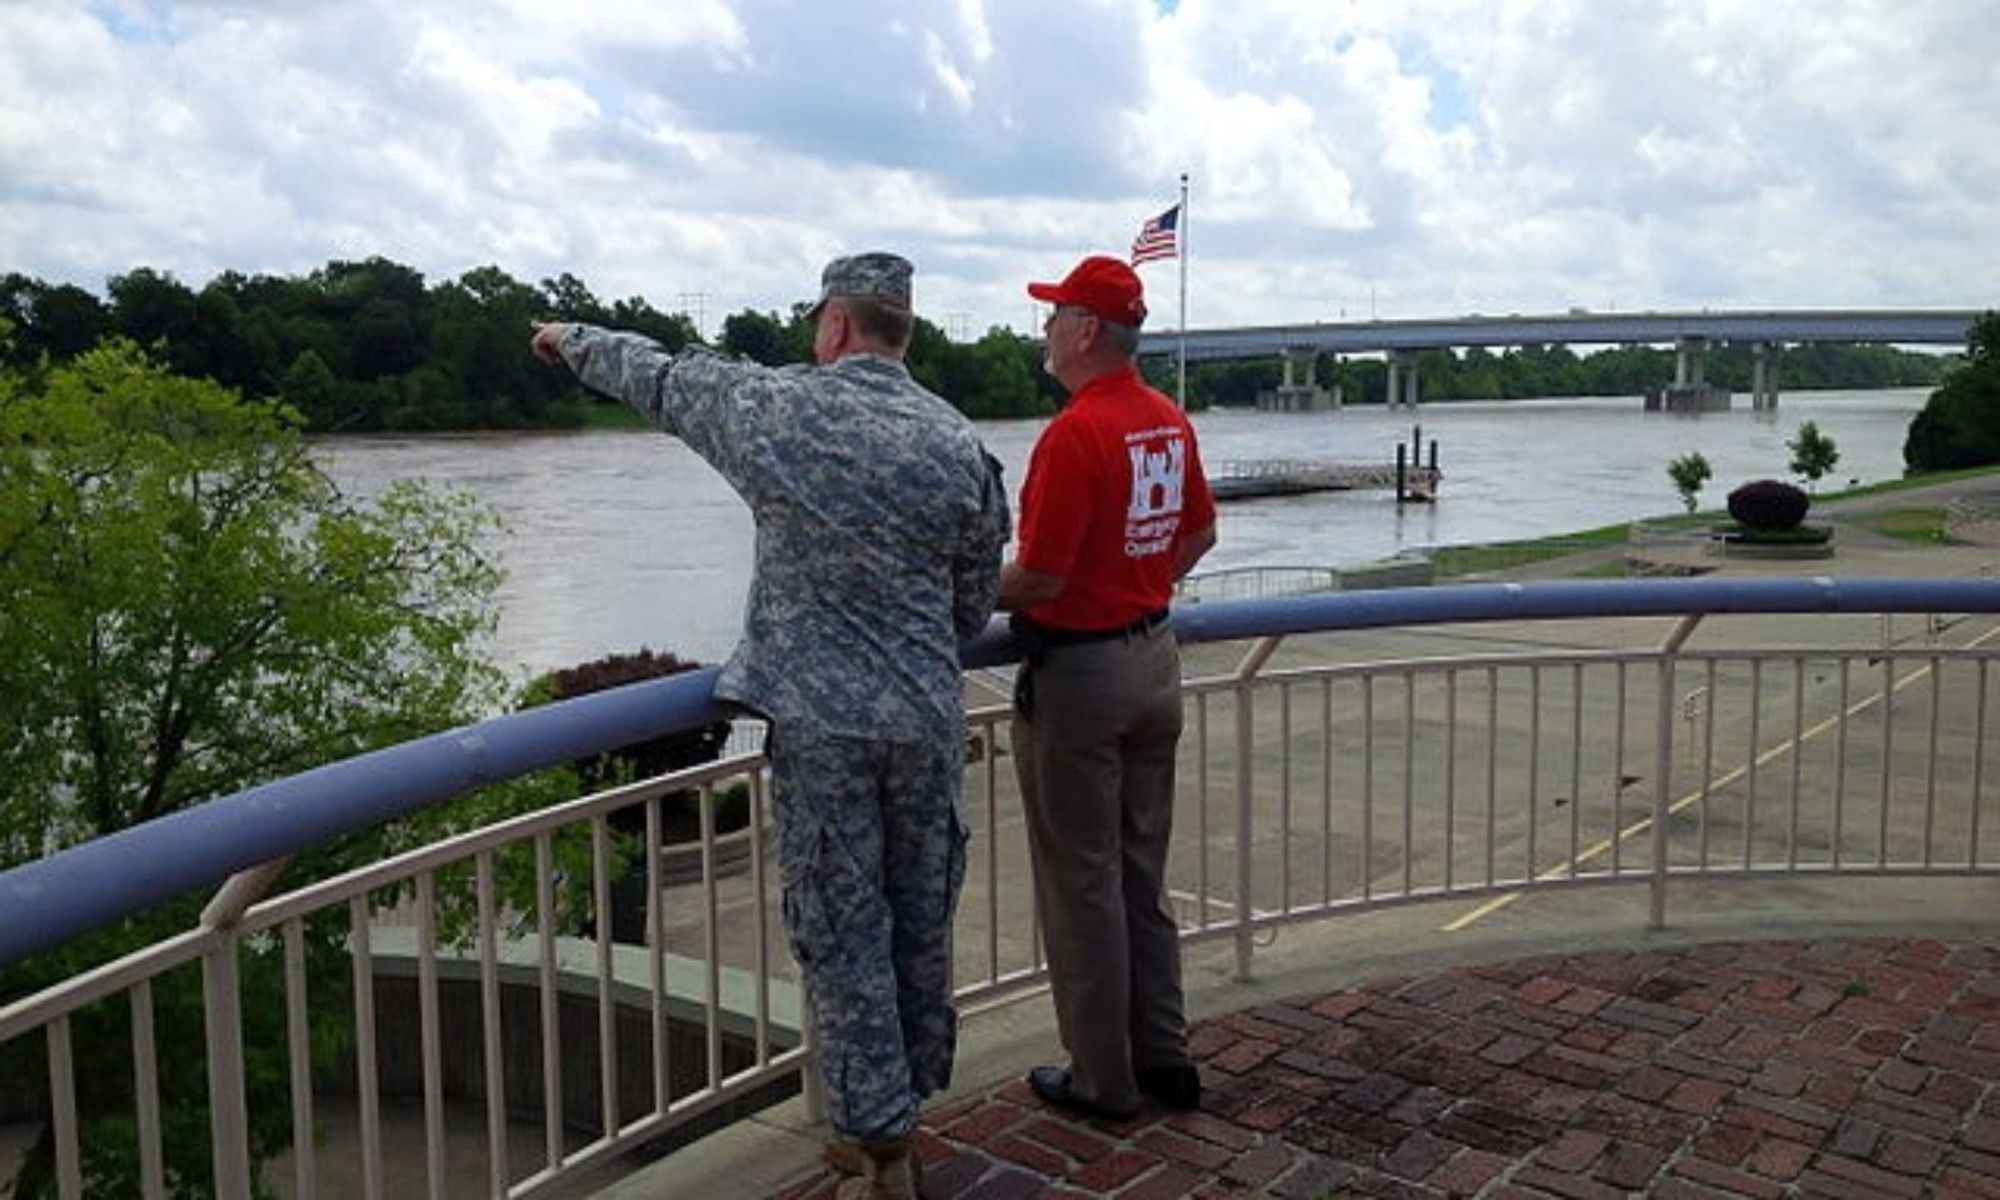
point(1644, 823)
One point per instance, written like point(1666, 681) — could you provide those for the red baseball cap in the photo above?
point(1104, 285)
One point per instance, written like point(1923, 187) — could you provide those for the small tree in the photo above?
point(1813, 453)
point(1689, 472)
point(189, 606)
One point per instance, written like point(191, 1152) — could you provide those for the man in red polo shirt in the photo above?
point(1114, 510)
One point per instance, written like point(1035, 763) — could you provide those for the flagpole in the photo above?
point(1184, 258)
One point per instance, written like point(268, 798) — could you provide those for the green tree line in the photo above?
point(372, 345)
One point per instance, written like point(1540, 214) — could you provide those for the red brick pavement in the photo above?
point(1854, 1068)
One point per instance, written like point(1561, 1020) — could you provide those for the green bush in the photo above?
point(1768, 504)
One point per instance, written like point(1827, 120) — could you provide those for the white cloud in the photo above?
point(1447, 155)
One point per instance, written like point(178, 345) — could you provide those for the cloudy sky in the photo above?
point(1422, 157)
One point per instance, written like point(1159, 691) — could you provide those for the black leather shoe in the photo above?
point(1175, 1087)
point(1053, 1084)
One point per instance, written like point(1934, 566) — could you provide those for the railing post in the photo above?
point(1663, 764)
point(222, 999)
point(240, 891)
point(228, 1110)
point(1245, 734)
point(1246, 740)
point(62, 1110)
point(813, 1084)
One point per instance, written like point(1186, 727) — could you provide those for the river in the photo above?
point(621, 539)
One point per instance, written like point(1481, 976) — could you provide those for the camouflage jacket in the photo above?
point(881, 521)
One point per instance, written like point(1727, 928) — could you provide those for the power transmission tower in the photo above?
point(700, 302)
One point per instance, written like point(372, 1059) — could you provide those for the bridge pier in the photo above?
point(1690, 391)
point(1688, 353)
point(1299, 363)
point(1402, 379)
point(1300, 391)
point(1763, 378)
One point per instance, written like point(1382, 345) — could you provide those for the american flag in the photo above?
point(1156, 237)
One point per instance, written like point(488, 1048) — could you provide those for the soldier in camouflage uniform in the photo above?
point(880, 525)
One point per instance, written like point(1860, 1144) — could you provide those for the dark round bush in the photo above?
point(641, 760)
point(680, 812)
point(1768, 504)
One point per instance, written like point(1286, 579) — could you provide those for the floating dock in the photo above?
point(1249, 480)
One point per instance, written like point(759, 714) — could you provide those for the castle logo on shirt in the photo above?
point(1159, 470)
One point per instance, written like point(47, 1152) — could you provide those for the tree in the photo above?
point(478, 335)
point(188, 607)
point(1006, 380)
point(157, 311)
point(1813, 453)
point(309, 387)
point(60, 322)
point(1689, 472)
point(1960, 423)
point(69, 321)
point(759, 337)
point(570, 299)
point(673, 331)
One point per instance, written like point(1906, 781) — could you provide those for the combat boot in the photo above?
point(845, 1156)
point(890, 1171)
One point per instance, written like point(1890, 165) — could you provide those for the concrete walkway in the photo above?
point(1562, 1050)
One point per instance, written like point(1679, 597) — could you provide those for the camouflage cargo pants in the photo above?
point(872, 852)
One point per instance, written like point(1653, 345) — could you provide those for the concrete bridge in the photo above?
point(1689, 332)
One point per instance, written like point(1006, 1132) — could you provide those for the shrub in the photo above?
point(640, 760)
point(1768, 504)
point(680, 812)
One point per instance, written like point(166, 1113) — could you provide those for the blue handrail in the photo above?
point(47, 902)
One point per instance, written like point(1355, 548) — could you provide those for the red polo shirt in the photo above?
point(1114, 486)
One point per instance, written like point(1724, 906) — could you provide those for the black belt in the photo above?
point(1076, 637)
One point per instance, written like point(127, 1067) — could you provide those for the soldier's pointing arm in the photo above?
point(710, 402)
point(624, 366)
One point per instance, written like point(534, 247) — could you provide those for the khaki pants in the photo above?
point(1096, 770)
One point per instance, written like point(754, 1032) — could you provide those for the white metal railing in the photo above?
point(1307, 792)
point(746, 736)
point(1930, 628)
point(237, 924)
point(1258, 583)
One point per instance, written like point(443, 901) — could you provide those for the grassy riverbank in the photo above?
point(1916, 523)
point(1907, 524)
point(1452, 561)
point(1910, 483)
point(611, 416)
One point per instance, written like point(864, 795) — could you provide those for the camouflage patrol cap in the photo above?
point(877, 275)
